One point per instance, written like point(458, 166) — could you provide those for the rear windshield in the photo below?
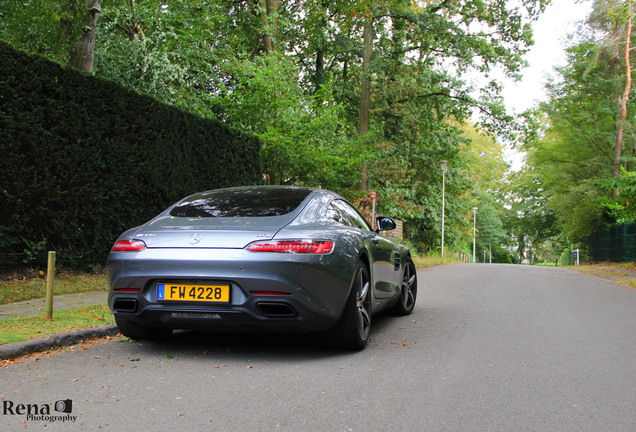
point(243, 202)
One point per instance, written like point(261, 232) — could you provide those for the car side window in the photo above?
point(355, 219)
point(336, 213)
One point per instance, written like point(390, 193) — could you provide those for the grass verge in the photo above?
point(622, 273)
point(15, 290)
point(433, 260)
point(64, 320)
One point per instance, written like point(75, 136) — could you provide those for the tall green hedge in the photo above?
point(82, 159)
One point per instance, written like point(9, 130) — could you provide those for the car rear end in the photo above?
point(226, 272)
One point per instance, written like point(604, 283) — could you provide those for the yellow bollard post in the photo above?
point(50, 277)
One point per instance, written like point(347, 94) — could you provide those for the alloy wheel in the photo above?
point(363, 303)
point(409, 286)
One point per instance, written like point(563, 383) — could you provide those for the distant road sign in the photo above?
point(372, 194)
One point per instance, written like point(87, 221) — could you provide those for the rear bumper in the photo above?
point(268, 316)
point(316, 289)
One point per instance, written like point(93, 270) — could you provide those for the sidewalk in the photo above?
point(62, 301)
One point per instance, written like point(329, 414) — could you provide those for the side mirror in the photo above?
point(385, 224)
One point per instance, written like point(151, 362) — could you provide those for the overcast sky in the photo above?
point(561, 18)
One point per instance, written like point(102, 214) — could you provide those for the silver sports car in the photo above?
point(260, 257)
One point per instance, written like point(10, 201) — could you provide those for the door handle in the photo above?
point(371, 236)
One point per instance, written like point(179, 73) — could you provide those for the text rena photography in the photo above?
point(41, 411)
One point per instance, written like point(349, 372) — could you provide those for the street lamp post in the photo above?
point(474, 233)
point(444, 164)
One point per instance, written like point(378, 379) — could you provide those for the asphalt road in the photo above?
point(488, 348)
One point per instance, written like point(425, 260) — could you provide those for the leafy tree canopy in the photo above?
point(291, 72)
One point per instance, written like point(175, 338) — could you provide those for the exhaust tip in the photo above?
point(125, 305)
point(276, 310)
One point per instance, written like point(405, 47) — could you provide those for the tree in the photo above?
point(81, 57)
point(625, 95)
point(487, 166)
point(491, 233)
point(622, 206)
point(306, 75)
point(577, 146)
point(365, 91)
point(62, 30)
point(413, 101)
point(304, 139)
point(529, 220)
point(487, 169)
point(612, 19)
point(268, 11)
point(50, 28)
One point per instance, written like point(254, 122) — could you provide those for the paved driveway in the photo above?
point(488, 348)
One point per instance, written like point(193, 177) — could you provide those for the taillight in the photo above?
point(128, 246)
point(292, 246)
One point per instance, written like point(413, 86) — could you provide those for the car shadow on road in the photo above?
point(244, 345)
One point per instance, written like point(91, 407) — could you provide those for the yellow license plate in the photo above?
point(189, 292)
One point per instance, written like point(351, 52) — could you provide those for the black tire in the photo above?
point(408, 291)
point(138, 332)
point(352, 330)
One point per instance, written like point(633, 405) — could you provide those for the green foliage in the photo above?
point(487, 171)
point(622, 206)
point(304, 138)
point(33, 249)
point(20, 329)
point(83, 159)
point(489, 224)
point(168, 50)
point(486, 159)
point(44, 27)
point(575, 150)
point(303, 99)
point(528, 219)
point(571, 140)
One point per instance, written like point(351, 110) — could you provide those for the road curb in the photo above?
point(19, 349)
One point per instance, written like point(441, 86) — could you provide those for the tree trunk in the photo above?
point(268, 10)
point(624, 97)
point(365, 93)
point(319, 78)
point(82, 56)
